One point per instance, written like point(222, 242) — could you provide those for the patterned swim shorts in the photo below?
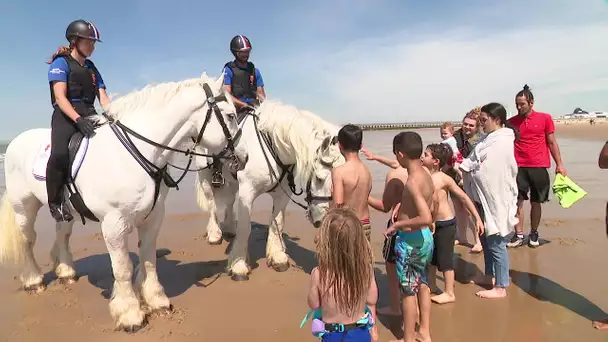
point(413, 253)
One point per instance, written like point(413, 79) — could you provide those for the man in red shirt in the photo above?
point(536, 139)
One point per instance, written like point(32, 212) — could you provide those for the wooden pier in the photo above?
point(403, 125)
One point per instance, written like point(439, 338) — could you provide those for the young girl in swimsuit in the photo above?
point(343, 285)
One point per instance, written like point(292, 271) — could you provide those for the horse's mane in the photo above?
point(288, 125)
point(151, 95)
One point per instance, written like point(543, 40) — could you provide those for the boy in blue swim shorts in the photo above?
point(414, 239)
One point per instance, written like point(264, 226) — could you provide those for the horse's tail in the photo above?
point(12, 240)
point(202, 196)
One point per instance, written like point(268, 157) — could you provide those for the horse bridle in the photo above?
point(309, 196)
point(122, 132)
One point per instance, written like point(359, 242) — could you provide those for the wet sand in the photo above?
point(583, 130)
point(556, 290)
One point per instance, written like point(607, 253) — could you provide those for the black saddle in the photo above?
point(73, 146)
point(75, 197)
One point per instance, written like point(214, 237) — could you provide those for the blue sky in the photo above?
point(346, 60)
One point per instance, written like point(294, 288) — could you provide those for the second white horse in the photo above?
point(279, 138)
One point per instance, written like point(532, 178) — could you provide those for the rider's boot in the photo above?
point(55, 188)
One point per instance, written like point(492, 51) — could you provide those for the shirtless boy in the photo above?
point(435, 159)
point(414, 242)
point(391, 198)
point(352, 182)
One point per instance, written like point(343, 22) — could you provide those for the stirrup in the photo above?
point(217, 180)
point(60, 213)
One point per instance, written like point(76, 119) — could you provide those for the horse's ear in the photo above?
point(204, 76)
point(220, 80)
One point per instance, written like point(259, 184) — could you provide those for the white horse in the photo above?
point(300, 141)
point(115, 187)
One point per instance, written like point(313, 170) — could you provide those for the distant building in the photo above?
point(579, 113)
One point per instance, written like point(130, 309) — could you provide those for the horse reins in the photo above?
point(122, 132)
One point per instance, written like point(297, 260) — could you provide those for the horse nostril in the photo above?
point(317, 224)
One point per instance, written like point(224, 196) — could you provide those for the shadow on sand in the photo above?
point(97, 268)
point(98, 271)
point(545, 289)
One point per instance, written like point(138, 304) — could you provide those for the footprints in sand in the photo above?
point(97, 236)
point(569, 241)
point(553, 223)
point(172, 327)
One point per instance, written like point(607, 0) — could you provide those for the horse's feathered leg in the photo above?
point(275, 246)
point(61, 254)
point(237, 260)
point(124, 305)
point(206, 201)
point(229, 225)
point(147, 278)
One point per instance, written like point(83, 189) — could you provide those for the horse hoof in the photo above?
point(37, 288)
point(165, 311)
point(280, 267)
point(68, 280)
point(228, 235)
point(131, 329)
point(239, 277)
point(215, 243)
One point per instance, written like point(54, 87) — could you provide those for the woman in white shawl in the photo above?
point(492, 170)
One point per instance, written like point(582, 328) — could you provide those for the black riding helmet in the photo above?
point(81, 29)
point(240, 43)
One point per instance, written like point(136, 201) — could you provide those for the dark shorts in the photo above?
point(533, 180)
point(443, 253)
point(388, 250)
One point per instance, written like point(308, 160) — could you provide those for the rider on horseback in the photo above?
point(74, 83)
point(241, 78)
point(244, 81)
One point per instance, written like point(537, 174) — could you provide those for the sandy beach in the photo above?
point(581, 129)
point(556, 290)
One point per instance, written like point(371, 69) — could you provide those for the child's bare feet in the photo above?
point(477, 248)
point(388, 311)
point(435, 290)
point(483, 281)
point(421, 338)
point(601, 325)
point(497, 292)
point(443, 298)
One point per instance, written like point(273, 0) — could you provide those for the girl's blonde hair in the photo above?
point(345, 259)
point(61, 51)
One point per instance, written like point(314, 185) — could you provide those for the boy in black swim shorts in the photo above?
point(435, 158)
